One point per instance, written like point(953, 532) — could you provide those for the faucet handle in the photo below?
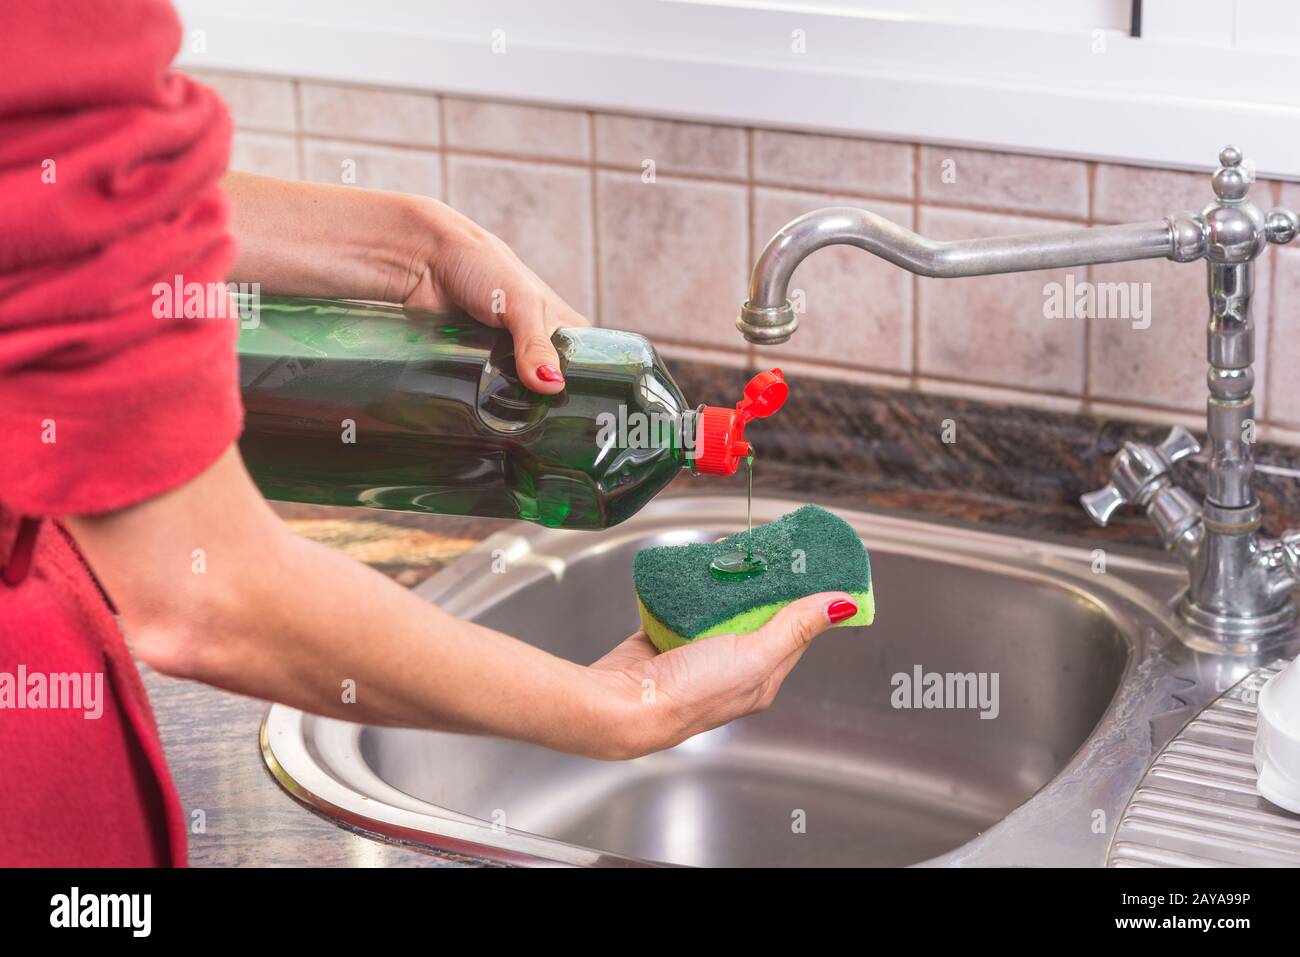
point(1102, 503)
point(1137, 472)
point(1281, 226)
point(1178, 445)
point(1289, 546)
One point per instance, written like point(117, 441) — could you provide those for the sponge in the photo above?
point(809, 550)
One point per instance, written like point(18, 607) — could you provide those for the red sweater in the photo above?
point(108, 177)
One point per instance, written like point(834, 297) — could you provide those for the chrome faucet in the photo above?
point(1240, 588)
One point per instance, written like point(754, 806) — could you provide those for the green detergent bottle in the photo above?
point(351, 403)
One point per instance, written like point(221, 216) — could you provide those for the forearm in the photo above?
point(309, 239)
point(360, 647)
point(265, 613)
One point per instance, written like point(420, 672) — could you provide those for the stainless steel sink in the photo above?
point(1091, 679)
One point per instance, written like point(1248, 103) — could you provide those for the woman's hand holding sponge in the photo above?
point(809, 550)
point(729, 644)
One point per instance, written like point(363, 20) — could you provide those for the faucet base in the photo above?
point(1220, 634)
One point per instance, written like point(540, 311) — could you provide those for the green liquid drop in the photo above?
point(738, 565)
point(741, 564)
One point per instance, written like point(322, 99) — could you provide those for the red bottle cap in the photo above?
point(720, 436)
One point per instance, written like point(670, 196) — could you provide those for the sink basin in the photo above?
point(833, 773)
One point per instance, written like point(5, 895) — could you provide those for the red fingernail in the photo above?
point(840, 609)
point(549, 374)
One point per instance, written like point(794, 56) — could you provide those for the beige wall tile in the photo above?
point(1291, 196)
point(517, 130)
point(991, 329)
point(375, 167)
point(1284, 361)
point(834, 163)
point(269, 154)
point(1022, 184)
point(1130, 194)
point(1265, 192)
point(673, 147)
point(365, 113)
point(542, 211)
point(672, 258)
point(1164, 365)
point(255, 102)
point(858, 307)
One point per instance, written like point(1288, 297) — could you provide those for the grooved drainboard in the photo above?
point(1197, 805)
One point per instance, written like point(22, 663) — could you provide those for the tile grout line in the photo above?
point(981, 383)
point(824, 190)
point(597, 302)
point(697, 177)
point(299, 144)
point(1275, 261)
point(914, 279)
point(1086, 391)
point(443, 166)
point(291, 131)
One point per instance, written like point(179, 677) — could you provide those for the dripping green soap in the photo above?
point(809, 550)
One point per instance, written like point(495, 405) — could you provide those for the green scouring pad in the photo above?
point(809, 550)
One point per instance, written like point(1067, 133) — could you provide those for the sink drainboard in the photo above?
point(1197, 806)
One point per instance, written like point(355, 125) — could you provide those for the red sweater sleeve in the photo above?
point(109, 165)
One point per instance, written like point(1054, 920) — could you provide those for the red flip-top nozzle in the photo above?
point(720, 435)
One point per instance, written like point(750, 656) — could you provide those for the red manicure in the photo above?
point(840, 609)
point(549, 374)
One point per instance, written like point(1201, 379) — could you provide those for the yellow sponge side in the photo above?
point(660, 635)
point(665, 639)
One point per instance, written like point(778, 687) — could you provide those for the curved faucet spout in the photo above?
point(1241, 586)
point(768, 317)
